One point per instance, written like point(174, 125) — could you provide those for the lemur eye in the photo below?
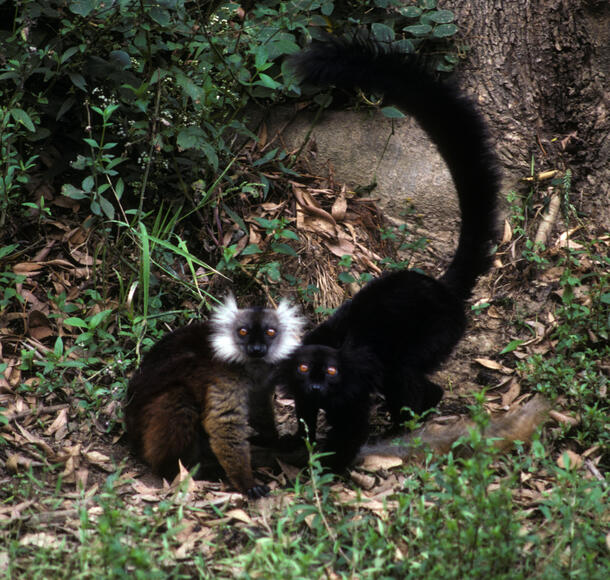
point(303, 368)
point(271, 332)
point(242, 331)
point(332, 371)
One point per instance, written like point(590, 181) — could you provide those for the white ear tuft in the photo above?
point(222, 321)
point(291, 327)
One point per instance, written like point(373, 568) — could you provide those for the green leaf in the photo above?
point(88, 183)
point(382, 32)
point(251, 249)
point(512, 345)
point(327, 7)
point(69, 54)
point(392, 113)
point(119, 188)
point(107, 207)
point(192, 90)
point(418, 29)
point(160, 16)
point(445, 30)
point(84, 338)
point(65, 107)
point(266, 158)
point(282, 44)
point(441, 16)
point(73, 192)
point(82, 7)
point(410, 11)
point(210, 152)
point(345, 277)
point(78, 81)
point(267, 81)
point(95, 320)
point(265, 223)
point(121, 59)
point(404, 45)
point(58, 348)
point(22, 117)
point(6, 250)
point(75, 321)
point(289, 234)
point(191, 138)
point(284, 249)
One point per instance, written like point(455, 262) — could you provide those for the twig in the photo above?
point(37, 411)
point(594, 471)
point(151, 148)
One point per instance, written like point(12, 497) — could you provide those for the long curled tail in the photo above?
point(450, 120)
point(516, 425)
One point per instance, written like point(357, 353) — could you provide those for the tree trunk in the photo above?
point(540, 70)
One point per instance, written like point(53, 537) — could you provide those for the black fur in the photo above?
point(405, 322)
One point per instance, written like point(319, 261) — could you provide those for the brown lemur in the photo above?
point(402, 325)
point(201, 389)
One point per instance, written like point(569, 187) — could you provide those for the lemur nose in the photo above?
point(257, 350)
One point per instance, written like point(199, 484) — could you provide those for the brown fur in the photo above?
point(518, 424)
point(183, 404)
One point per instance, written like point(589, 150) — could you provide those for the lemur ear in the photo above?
point(229, 302)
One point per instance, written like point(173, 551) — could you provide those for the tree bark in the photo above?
point(540, 70)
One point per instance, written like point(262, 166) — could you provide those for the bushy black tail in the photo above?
point(450, 120)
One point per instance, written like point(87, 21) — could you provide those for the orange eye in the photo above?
point(271, 332)
point(303, 368)
point(243, 332)
point(332, 371)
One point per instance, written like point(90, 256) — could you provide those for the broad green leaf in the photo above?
point(69, 53)
point(81, 7)
point(160, 16)
point(78, 81)
point(251, 249)
point(75, 321)
point(283, 249)
point(267, 81)
point(441, 16)
point(445, 30)
point(73, 192)
point(382, 32)
point(22, 117)
point(58, 348)
point(65, 107)
point(418, 29)
point(345, 277)
point(191, 138)
point(290, 235)
point(410, 11)
point(107, 208)
point(512, 345)
point(392, 113)
point(95, 320)
point(88, 183)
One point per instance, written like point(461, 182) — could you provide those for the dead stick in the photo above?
point(548, 219)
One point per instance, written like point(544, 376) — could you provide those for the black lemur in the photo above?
point(399, 327)
point(201, 388)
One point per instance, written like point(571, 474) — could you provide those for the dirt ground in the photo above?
point(86, 443)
